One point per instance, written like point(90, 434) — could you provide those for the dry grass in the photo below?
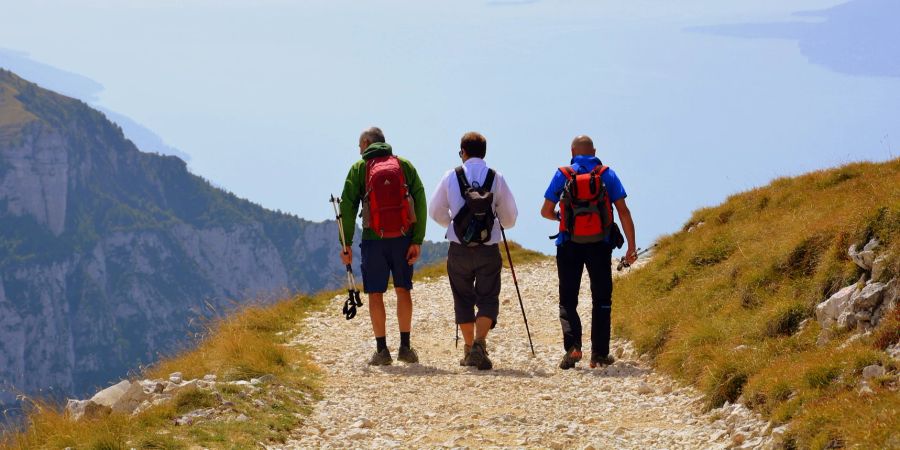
point(750, 276)
point(12, 114)
point(246, 344)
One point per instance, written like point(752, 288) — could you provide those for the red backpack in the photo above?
point(387, 206)
point(585, 209)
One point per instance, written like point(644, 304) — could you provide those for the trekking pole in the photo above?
point(353, 300)
point(624, 265)
point(516, 283)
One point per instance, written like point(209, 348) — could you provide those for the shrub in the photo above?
point(720, 249)
point(821, 377)
point(786, 320)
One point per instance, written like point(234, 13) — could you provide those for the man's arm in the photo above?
point(628, 228)
point(417, 190)
point(507, 211)
point(350, 198)
point(548, 211)
point(439, 206)
point(551, 196)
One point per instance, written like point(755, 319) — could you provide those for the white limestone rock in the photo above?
point(847, 320)
point(878, 266)
point(869, 297)
point(78, 409)
point(871, 245)
point(123, 397)
point(828, 311)
point(865, 257)
point(873, 371)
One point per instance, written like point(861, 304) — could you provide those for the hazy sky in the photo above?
point(689, 101)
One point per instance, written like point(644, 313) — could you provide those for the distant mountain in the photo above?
point(87, 90)
point(108, 254)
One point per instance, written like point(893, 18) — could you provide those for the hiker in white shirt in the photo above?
point(472, 201)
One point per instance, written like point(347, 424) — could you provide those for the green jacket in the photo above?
point(355, 185)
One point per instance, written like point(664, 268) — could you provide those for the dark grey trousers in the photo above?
point(475, 281)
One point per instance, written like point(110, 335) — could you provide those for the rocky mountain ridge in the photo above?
point(111, 256)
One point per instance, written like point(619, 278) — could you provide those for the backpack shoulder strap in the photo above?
point(600, 169)
point(367, 177)
point(568, 171)
point(488, 180)
point(461, 179)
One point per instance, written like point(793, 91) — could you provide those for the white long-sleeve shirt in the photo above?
point(446, 201)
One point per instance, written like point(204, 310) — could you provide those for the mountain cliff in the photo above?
point(109, 256)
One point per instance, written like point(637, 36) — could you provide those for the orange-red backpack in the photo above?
point(585, 211)
point(387, 206)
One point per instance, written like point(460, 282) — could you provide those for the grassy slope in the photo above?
point(749, 276)
point(243, 345)
point(12, 114)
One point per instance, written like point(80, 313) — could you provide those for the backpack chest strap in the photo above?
point(464, 183)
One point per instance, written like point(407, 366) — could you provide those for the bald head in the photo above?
point(583, 145)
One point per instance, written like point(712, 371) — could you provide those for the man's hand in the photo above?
point(412, 255)
point(347, 255)
point(630, 256)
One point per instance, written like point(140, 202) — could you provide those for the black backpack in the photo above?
point(474, 222)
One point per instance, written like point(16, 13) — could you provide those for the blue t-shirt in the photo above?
point(584, 164)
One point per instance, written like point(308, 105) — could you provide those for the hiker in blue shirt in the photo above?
point(586, 239)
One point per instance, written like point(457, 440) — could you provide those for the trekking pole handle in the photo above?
point(638, 254)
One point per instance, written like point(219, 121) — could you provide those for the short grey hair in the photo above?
point(372, 134)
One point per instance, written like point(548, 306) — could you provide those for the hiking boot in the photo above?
point(466, 360)
point(381, 358)
point(407, 355)
point(597, 360)
point(478, 356)
point(568, 361)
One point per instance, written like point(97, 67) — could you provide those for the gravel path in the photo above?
point(523, 402)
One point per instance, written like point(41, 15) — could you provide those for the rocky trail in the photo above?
point(524, 402)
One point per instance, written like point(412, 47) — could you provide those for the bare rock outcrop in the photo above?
point(862, 305)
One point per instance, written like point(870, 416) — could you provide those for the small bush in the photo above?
point(192, 399)
point(724, 217)
point(821, 377)
point(750, 299)
point(781, 391)
point(837, 177)
point(725, 384)
point(718, 251)
point(674, 281)
point(785, 321)
point(804, 258)
point(158, 443)
point(888, 331)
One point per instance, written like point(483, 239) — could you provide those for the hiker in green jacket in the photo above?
point(393, 222)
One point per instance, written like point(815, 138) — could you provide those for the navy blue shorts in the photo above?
point(381, 259)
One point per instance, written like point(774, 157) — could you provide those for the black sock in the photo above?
point(404, 339)
point(381, 343)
